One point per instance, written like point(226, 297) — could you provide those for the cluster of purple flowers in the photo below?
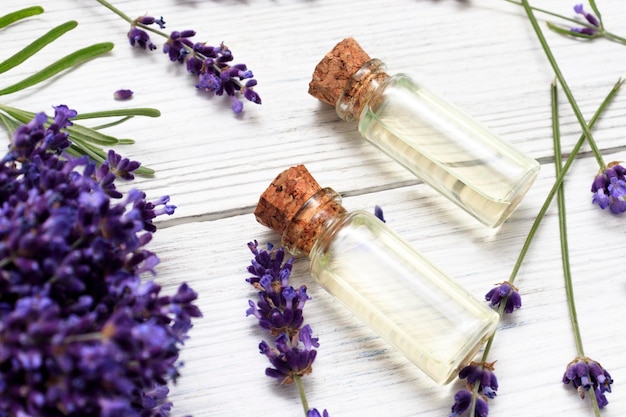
point(81, 333)
point(481, 377)
point(609, 188)
point(504, 292)
point(586, 374)
point(210, 64)
point(279, 310)
point(593, 21)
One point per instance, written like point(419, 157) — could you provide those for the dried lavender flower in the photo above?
point(609, 188)
point(483, 375)
point(462, 402)
point(586, 374)
point(314, 413)
point(123, 94)
point(81, 333)
point(504, 291)
point(378, 212)
point(590, 18)
point(279, 310)
point(212, 65)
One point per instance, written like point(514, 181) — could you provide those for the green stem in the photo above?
point(566, 89)
point(116, 11)
point(129, 20)
point(567, 273)
point(305, 403)
point(548, 200)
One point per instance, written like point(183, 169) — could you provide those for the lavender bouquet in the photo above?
point(82, 334)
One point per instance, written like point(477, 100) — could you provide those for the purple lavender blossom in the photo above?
point(212, 65)
point(378, 212)
point(279, 310)
point(462, 402)
point(586, 374)
point(123, 94)
point(483, 375)
point(504, 291)
point(609, 188)
point(589, 31)
point(82, 333)
point(314, 413)
point(139, 37)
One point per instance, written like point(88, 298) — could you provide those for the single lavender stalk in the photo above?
point(210, 64)
point(583, 372)
point(279, 311)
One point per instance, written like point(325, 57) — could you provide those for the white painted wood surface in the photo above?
point(481, 55)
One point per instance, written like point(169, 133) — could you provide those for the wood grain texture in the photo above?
point(481, 55)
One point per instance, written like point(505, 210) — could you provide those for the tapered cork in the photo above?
point(335, 69)
point(284, 197)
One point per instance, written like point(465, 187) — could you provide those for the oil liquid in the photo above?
point(448, 150)
point(395, 290)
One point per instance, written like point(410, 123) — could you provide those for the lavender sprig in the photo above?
point(583, 372)
point(591, 28)
point(82, 333)
point(211, 65)
point(279, 311)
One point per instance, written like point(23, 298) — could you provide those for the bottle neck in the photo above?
point(311, 220)
point(360, 88)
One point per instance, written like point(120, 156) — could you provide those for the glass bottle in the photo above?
point(440, 144)
point(376, 274)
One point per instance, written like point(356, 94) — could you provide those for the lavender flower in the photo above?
point(314, 413)
point(590, 31)
point(123, 94)
point(279, 310)
point(81, 333)
point(462, 402)
point(504, 291)
point(586, 374)
point(475, 373)
point(378, 212)
point(211, 65)
point(139, 37)
point(609, 188)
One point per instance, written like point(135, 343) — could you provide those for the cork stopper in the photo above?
point(295, 206)
point(284, 197)
point(335, 69)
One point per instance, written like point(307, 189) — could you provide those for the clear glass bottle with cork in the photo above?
point(440, 144)
point(393, 288)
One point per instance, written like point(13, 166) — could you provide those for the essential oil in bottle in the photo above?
point(377, 275)
point(440, 144)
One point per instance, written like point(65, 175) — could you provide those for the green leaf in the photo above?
point(64, 63)
point(113, 123)
point(37, 45)
point(13, 17)
point(140, 111)
point(9, 123)
point(89, 135)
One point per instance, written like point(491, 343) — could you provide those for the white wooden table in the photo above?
point(481, 55)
